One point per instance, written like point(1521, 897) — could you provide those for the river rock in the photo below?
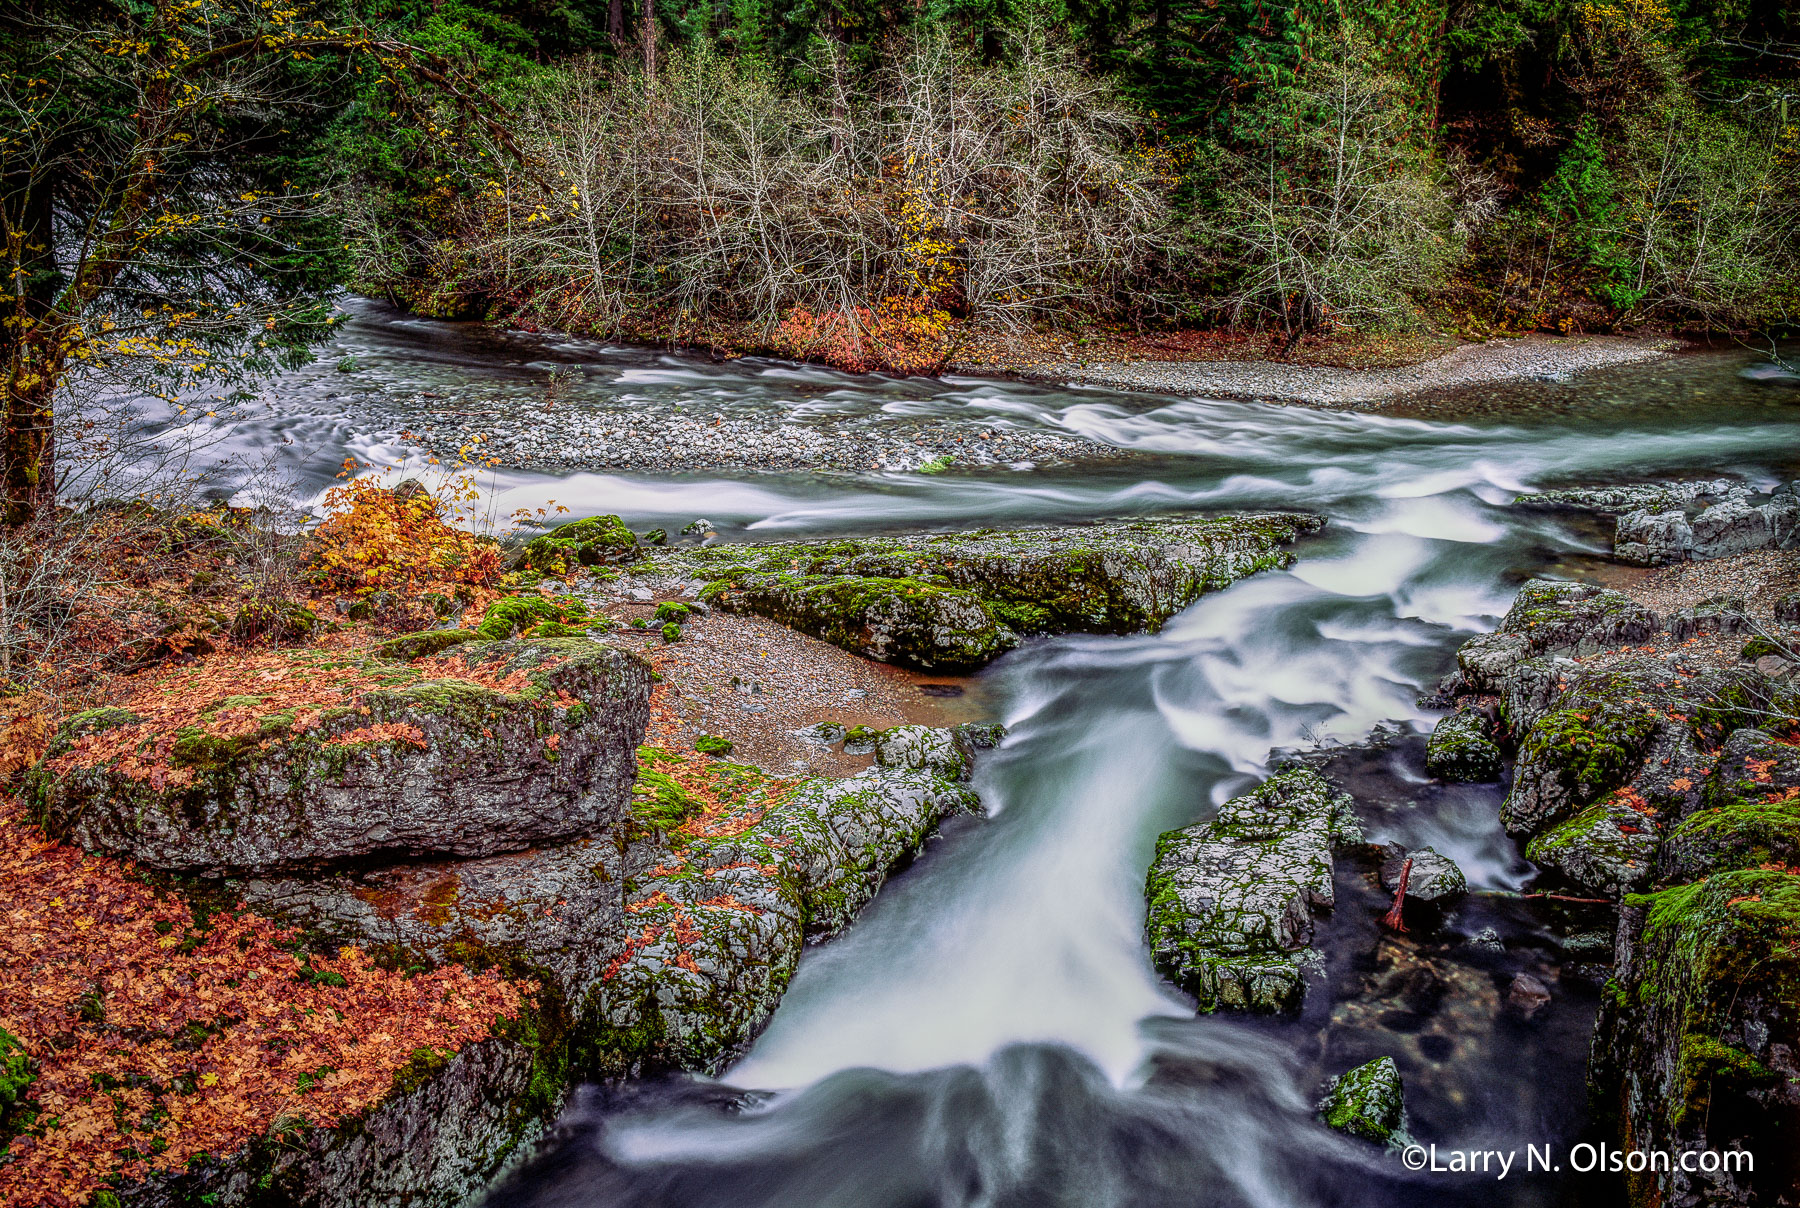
point(554, 913)
point(955, 601)
point(1231, 900)
point(425, 767)
point(1720, 614)
point(1527, 994)
point(1653, 538)
point(1367, 1102)
point(1636, 497)
point(716, 934)
point(1608, 849)
point(1787, 608)
point(1460, 747)
point(923, 748)
point(1737, 527)
point(1432, 878)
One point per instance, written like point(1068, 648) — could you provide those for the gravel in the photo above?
point(1531, 358)
point(651, 439)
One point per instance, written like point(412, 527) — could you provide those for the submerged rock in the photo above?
point(511, 744)
point(1367, 1102)
point(956, 601)
point(1635, 497)
point(1231, 900)
point(1461, 749)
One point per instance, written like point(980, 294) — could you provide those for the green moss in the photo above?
point(671, 632)
point(15, 1069)
point(712, 744)
point(594, 541)
point(1366, 1102)
point(510, 614)
point(1745, 833)
point(424, 644)
point(1592, 750)
point(673, 610)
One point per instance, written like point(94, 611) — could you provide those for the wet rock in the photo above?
point(1461, 747)
point(1367, 1102)
point(1527, 995)
point(1653, 538)
point(1608, 849)
point(718, 932)
point(1488, 940)
point(923, 748)
point(1721, 614)
point(1637, 497)
point(955, 601)
point(1433, 877)
point(425, 767)
point(1231, 900)
point(1483, 662)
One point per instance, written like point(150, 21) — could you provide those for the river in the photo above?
point(990, 1032)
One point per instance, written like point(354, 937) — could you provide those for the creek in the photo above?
point(990, 1032)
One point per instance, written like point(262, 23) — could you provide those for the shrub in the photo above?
point(381, 540)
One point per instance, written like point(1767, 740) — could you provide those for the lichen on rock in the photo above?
point(1231, 900)
point(1461, 747)
point(490, 747)
point(1366, 1102)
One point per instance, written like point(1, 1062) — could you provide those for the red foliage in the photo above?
point(156, 1040)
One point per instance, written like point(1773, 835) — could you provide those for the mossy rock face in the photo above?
point(719, 931)
point(1750, 816)
point(425, 767)
point(1231, 900)
point(512, 615)
point(1592, 743)
point(955, 601)
point(941, 752)
point(1577, 618)
point(424, 644)
point(907, 621)
point(1695, 1048)
point(1460, 747)
point(592, 541)
point(1607, 849)
point(1367, 1103)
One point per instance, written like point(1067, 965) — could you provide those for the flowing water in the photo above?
point(990, 1032)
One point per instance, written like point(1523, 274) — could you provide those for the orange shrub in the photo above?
point(381, 540)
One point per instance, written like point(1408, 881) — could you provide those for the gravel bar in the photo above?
point(1530, 358)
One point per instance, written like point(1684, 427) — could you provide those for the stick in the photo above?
point(1391, 920)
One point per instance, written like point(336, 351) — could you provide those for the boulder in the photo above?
point(1432, 877)
point(1653, 538)
point(1608, 849)
point(495, 747)
point(1787, 608)
point(591, 541)
point(955, 601)
point(1593, 742)
point(1634, 497)
point(1576, 618)
point(940, 752)
point(1367, 1102)
point(1231, 900)
point(1461, 748)
point(717, 929)
point(1736, 527)
point(1749, 815)
point(1721, 614)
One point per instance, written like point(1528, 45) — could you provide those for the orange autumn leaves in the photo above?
point(382, 540)
point(155, 1041)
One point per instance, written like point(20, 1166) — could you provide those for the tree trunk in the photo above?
point(615, 24)
point(33, 356)
point(648, 18)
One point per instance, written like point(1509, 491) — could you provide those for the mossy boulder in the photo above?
point(424, 644)
point(592, 541)
point(1607, 849)
point(1461, 747)
point(1367, 1102)
point(719, 927)
point(1720, 615)
point(535, 744)
point(941, 752)
point(1750, 815)
point(1696, 1046)
point(1592, 743)
point(1231, 900)
point(955, 601)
